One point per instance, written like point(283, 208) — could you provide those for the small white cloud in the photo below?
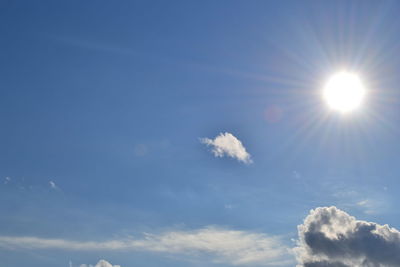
point(369, 206)
point(214, 244)
point(226, 144)
point(101, 263)
point(53, 185)
point(228, 206)
point(7, 180)
point(363, 203)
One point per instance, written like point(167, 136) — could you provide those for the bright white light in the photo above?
point(344, 91)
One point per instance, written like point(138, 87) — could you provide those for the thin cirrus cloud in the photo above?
point(53, 185)
point(330, 237)
point(101, 263)
point(215, 244)
point(226, 144)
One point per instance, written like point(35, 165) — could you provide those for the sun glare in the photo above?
point(344, 92)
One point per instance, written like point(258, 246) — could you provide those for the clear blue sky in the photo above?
point(103, 104)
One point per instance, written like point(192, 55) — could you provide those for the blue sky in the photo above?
point(104, 104)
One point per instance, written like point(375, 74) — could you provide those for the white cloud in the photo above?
point(101, 263)
point(53, 185)
point(227, 144)
point(217, 245)
point(332, 238)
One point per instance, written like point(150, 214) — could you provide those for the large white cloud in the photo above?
point(227, 144)
point(215, 244)
point(101, 263)
point(330, 237)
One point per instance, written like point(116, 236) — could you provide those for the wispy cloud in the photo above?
point(53, 185)
point(101, 263)
point(374, 202)
point(331, 237)
point(226, 144)
point(141, 150)
point(218, 245)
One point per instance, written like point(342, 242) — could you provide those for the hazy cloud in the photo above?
point(53, 185)
point(226, 144)
point(217, 245)
point(101, 263)
point(330, 237)
point(141, 150)
point(362, 200)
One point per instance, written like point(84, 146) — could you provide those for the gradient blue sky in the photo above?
point(108, 100)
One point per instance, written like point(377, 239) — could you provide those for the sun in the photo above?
point(344, 92)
